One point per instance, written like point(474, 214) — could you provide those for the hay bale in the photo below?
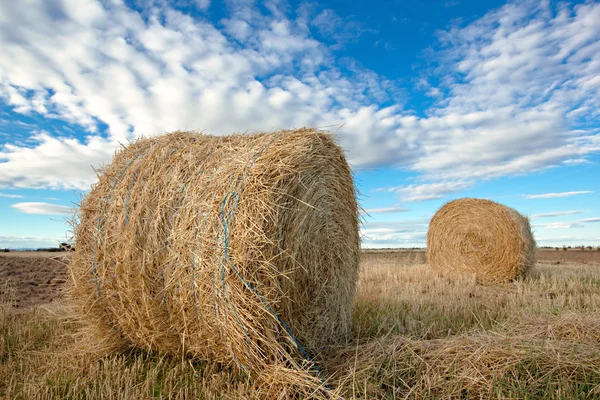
point(480, 237)
point(236, 249)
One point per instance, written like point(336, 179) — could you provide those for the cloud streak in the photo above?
point(556, 214)
point(386, 210)
point(568, 240)
point(556, 195)
point(581, 223)
point(43, 208)
point(11, 196)
point(429, 191)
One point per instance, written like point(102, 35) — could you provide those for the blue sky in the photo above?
point(432, 100)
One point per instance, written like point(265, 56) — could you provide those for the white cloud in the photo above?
point(555, 195)
point(429, 191)
point(43, 208)
point(577, 161)
point(568, 240)
point(58, 163)
point(202, 4)
point(515, 76)
point(581, 223)
point(556, 214)
point(334, 27)
point(172, 72)
point(11, 196)
point(513, 84)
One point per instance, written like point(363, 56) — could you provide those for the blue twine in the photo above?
point(99, 227)
point(101, 218)
point(181, 198)
point(129, 196)
point(216, 304)
point(224, 223)
point(227, 218)
point(272, 311)
point(162, 275)
point(94, 266)
point(215, 311)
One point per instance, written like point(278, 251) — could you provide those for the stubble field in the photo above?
point(417, 335)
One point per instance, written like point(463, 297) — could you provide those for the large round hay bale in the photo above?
point(476, 236)
point(235, 249)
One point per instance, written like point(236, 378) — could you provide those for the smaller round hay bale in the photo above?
point(480, 237)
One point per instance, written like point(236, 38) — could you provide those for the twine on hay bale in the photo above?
point(490, 240)
point(240, 249)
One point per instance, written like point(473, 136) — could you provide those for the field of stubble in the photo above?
point(417, 335)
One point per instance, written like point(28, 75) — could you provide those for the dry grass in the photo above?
point(426, 335)
point(480, 237)
point(416, 301)
point(418, 335)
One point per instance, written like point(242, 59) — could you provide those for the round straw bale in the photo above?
point(240, 248)
point(490, 240)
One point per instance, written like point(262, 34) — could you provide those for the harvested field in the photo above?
point(36, 254)
point(31, 279)
point(416, 335)
point(41, 275)
point(590, 257)
point(394, 257)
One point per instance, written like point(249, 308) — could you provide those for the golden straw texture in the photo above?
point(241, 249)
point(480, 237)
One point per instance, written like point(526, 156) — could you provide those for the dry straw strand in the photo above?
point(481, 237)
point(239, 249)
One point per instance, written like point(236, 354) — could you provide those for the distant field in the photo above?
point(34, 254)
point(31, 278)
point(591, 257)
point(417, 335)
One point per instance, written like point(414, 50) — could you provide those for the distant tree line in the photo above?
point(582, 247)
point(63, 247)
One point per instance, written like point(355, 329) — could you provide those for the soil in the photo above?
point(28, 279)
point(397, 257)
point(571, 256)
